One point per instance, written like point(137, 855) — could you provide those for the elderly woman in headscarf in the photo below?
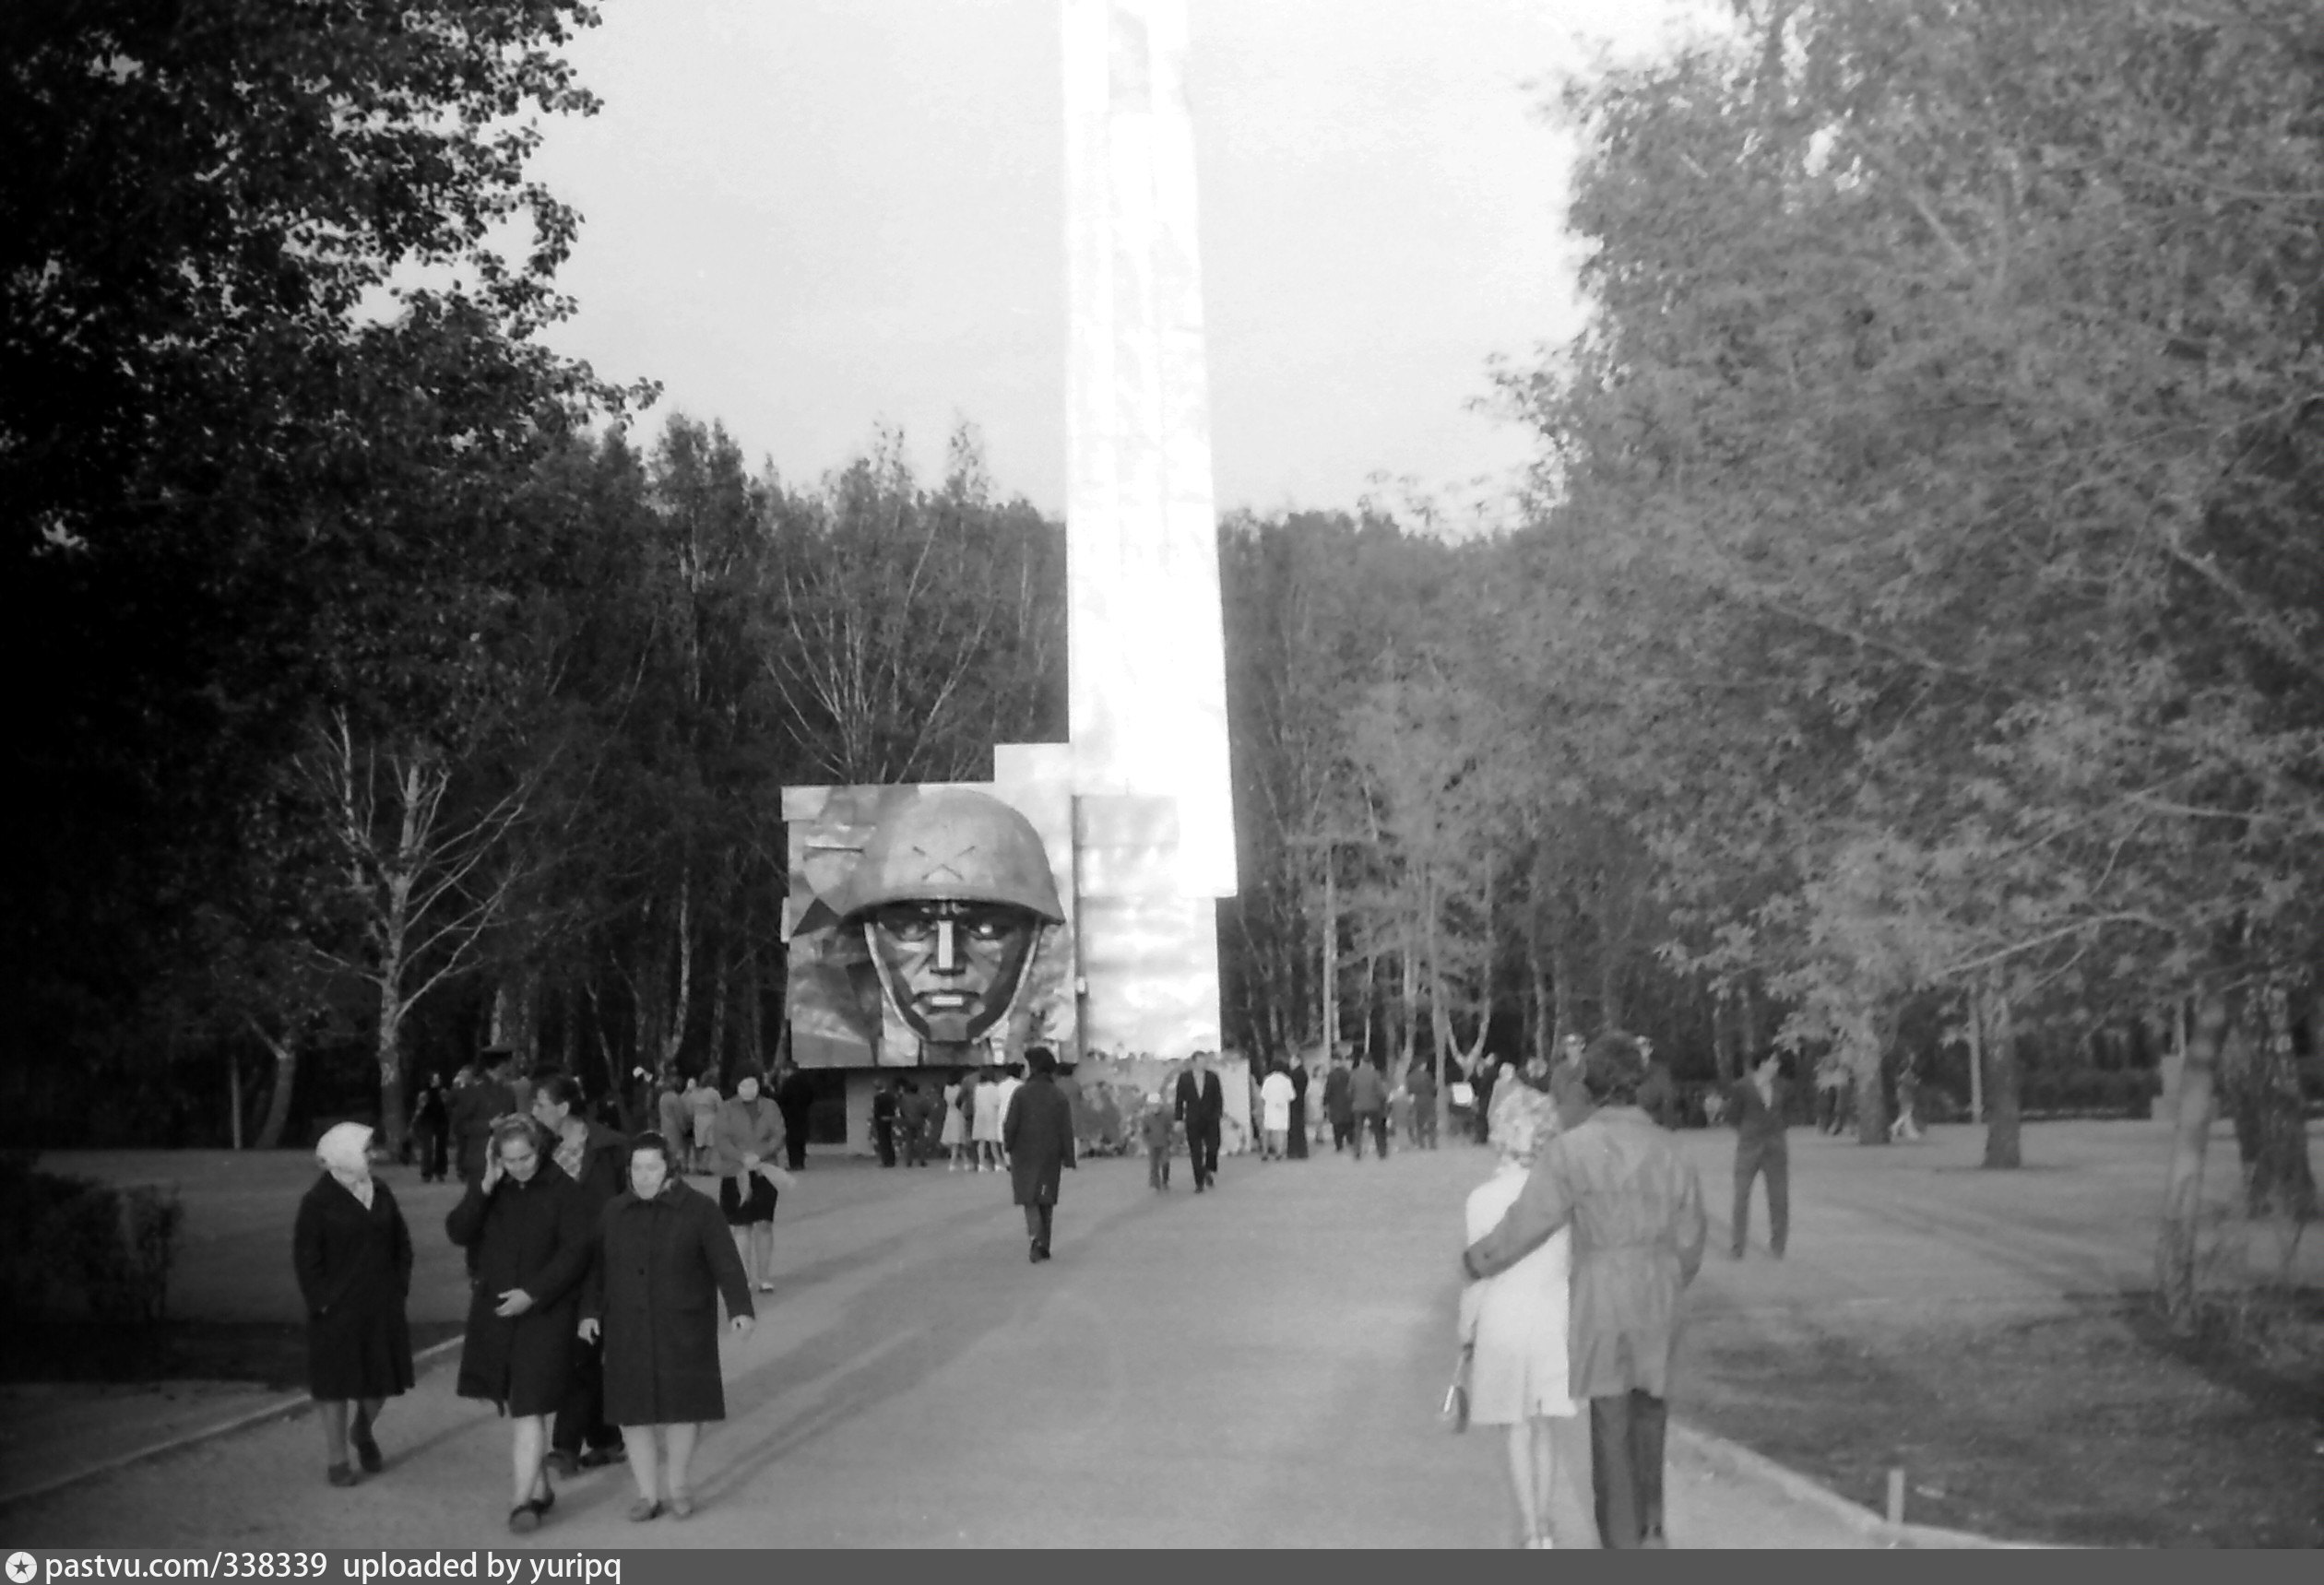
point(353, 1254)
point(1513, 1326)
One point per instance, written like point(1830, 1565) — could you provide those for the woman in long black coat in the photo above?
point(1038, 1135)
point(664, 1261)
point(352, 1253)
point(531, 1240)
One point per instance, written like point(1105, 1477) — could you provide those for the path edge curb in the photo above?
point(1734, 1459)
point(290, 1406)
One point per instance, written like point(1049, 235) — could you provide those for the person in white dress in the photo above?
point(955, 1134)
point(984, 1124)
point(1276, 1094)
point(1513, 1326)
point(1012, 1080)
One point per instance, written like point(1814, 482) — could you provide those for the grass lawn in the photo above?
point(1994, 1334)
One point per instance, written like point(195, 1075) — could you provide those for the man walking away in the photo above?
point(1339, 1105)
point(884, 1110)
point(1757, 1106)
point(1368, 1099)
point(795, 1098)
point(1422, 1083)
point(1635, 1205)
point(1037, 1132)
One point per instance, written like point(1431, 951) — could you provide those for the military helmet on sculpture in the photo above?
point(954, 845)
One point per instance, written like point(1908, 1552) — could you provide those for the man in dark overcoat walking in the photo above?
point(1338, 1104)
point(1038, 1132)
point(1298, 1107)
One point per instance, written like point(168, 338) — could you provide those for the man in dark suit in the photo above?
point(1201, 1107)
point(474, 1106)
point(1757, 1105)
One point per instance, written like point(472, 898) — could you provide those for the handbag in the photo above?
point(1456, 1413)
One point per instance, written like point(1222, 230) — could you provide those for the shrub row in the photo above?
point(2089, 1092)
point(68, 1245)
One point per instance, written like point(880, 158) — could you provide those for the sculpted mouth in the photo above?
point(945, 1000)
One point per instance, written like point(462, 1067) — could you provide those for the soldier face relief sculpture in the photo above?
point(952, 895)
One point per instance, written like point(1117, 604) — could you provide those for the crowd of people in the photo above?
point(596, 1272)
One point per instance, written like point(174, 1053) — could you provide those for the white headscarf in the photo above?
point(345, 1153)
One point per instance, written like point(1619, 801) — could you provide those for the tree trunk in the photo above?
point(1407, 986)
point(1563, 977)
point(754, 1020)
point(233, 1096)
point(286, 1057)
point(2003, 1146)
point(1723, 1033)
point(1865, 1059)
point(718, 1009)
point(2270, 1121)
point(2174, 1253)
point(676, 1037)
point(512, 1021)
point(391, 1076)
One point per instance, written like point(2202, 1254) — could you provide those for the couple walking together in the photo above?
point(1579, 1249)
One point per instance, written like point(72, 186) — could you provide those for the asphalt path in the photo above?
point(1256, 1366)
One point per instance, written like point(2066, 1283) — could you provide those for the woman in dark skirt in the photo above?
point(665, 1259)
point(529, 1238)
point(352, 1253)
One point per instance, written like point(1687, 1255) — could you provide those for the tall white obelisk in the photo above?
point(1154, 838)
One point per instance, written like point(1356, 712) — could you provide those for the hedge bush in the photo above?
point(2089, 1092)
point(70, 1245)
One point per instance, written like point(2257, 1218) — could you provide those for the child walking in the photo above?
point(1153, 1128)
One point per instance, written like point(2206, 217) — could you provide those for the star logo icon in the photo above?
point(22, 1567)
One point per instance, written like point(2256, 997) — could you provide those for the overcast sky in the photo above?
point(810, 217)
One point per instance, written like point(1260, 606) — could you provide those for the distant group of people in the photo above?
point(596, 1274)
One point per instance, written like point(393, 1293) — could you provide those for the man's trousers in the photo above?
point(1626, 1466)
point(1378, 1123)
point(1202, 1145)
point(1037, 1225)
point(884, 1140)
point(1752, 1158)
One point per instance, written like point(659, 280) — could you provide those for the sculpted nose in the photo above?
point(947, 950)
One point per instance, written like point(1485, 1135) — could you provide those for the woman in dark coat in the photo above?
point(352, 1253)
point(664, 1260)
point(528, 1231)
point(1037, 1134)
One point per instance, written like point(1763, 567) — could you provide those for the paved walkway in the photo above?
point(1256, 1366)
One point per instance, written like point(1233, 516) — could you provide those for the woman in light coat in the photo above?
point(746, 1154)
point(1514, 1327)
